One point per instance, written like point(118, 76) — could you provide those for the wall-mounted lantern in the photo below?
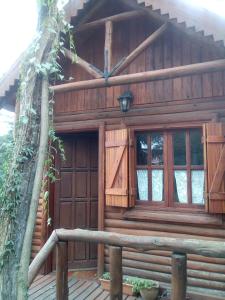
point(125, 101)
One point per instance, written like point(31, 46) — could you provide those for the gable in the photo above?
point(179, 12)
point(192, 20)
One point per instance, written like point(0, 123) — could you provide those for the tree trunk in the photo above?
point(20, 195)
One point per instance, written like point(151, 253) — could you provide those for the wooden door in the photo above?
point(76, 194)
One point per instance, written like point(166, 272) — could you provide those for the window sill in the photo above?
point(173, 217)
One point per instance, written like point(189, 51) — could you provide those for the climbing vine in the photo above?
point(40, 66)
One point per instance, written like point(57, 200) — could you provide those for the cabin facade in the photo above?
point(156, 169)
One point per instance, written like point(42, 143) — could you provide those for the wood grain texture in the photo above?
point(215, 162)
point(116, 179)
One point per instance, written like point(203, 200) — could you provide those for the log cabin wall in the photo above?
point(172, 49)
point(176, 102)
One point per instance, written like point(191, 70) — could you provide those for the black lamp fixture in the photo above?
point(125, 101)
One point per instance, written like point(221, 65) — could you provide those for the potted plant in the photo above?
point(105, 283)
point(148, 289)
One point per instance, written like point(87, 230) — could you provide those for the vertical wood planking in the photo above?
point(62, 271)
point(116, 168)
point(140, 61)
point(117, 56)
point(176, 56)
point(133, 42)
point(167, 58)
point(186, 59)
point(207, 77)
point(196, 79)
point(158, 48)
point(127, 36)
point(213, 155)
point(217, 77)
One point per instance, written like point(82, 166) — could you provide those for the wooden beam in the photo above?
point(108, 47)
point(89, 68)
point(116, 276)
point(179, 276)
point(147, 42)
point(211, 66)
point(101, 194)
point(40, 258)
point(116, 18)
point(191, 246)
point(62, 271)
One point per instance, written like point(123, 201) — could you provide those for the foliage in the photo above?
point(137, 283)
point(6, 147)
point(41, 62)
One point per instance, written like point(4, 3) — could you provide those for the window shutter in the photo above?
point(118, 177)
point(214, 139)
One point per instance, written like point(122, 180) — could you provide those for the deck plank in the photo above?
point(87, 292)
point(38, 290)
point(80, 290)
point(44, 287)
point(95, 294)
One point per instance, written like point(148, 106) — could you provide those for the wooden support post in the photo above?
point(101, 195)
point(116, 287)
point(108, 47)
point(147, 42)
point(62, 271)
point(179, 276)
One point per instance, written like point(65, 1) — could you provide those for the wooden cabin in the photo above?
point(152, 163)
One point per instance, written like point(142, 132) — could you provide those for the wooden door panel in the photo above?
point(66, 185)
point(68, 148)
point(93, 214)
point(93, 250)
point(81, 215)
point(81, 153)
point(81, 185)
point(65, 214)
point(94, 184)
point(80, 251)
point(76, 194)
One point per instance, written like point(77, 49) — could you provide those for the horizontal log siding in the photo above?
point(203, 272)
point(38, 236)
point(172, 49)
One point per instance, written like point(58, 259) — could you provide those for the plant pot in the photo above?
point(150, 294)
point(127, 288)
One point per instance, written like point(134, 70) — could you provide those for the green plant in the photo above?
point(137, 283)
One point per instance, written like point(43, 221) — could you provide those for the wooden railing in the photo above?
point(179, 247)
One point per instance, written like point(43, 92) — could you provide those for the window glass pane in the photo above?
point(142, 181)
point(179, 148)
point(157, 185)
point(157, 148)
point(142, 149)
point(196, 147)
point(197, 182)
point(180, 186)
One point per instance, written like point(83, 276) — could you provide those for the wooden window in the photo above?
point(169, 168)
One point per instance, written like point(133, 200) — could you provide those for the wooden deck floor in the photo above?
point(44, 287)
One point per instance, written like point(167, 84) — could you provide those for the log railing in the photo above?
point(179, 247)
